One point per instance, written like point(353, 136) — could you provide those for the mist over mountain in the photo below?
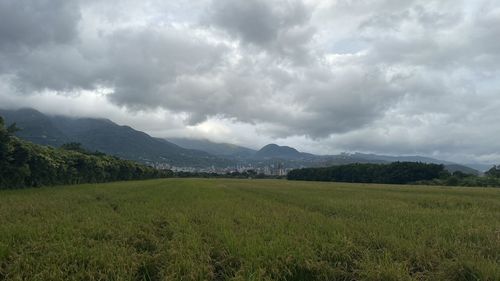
point(35, 127)
point(105, 136)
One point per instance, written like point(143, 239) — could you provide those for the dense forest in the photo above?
point(397, 173)
point(24, 164)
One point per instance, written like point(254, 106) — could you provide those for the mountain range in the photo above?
point(125, 142)
point(105, 136)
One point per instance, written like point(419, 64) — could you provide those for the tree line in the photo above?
point(24, 164)
point(397, 173)
point(393, 173)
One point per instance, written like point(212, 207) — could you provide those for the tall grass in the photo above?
point(188, 229)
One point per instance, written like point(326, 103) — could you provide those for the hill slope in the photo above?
point(271, 151)
point(105, 136)
point(35, 127)
point(219, 149)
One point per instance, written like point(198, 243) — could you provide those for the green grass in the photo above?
point(189, 229)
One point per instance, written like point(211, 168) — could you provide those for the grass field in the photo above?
point(188, 229)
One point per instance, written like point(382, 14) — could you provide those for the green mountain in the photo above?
point(35, 127)
point(25, 164)
point(274, 151)
point(105, 136)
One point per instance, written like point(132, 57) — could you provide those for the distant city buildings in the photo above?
point(274, 169)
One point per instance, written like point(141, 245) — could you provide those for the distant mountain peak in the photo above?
point(276, 151)
point(273, 146)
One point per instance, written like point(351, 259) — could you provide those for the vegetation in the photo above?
point(24, 164)
point(397, 173)
point(394, 173)
point(187, 229)
point(462, 179)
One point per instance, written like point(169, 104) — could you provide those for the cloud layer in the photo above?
point(389, 76)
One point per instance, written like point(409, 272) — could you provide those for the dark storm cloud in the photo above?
point(354, 97)
point(141, 66)
point(30, 23)
point(151, 62)
point(27, 29)
point(280, 27)
point(174, 67)
point(257, 21)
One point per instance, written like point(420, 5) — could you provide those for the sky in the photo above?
point(325, 76)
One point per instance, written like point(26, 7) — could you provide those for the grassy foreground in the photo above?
point(188, 229)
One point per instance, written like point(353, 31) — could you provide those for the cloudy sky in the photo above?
point(326, 76)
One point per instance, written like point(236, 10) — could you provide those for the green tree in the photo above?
point(24, 164)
